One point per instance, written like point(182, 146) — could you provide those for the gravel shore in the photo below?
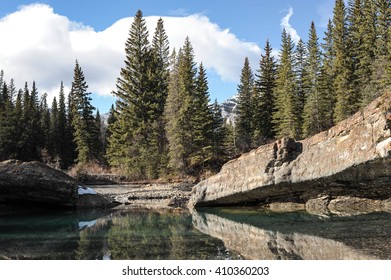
point(148, 195)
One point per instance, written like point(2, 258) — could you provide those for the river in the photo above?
point(213, 233)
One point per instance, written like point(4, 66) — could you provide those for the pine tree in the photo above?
point(139, 106)
point(6, 125)
point(220, 152)
point(354, 40)
point(302, 80)
point(156, 151)
point(383, 11)
point(99, 136)
point(160, 53)
point(230, 145)
point(265, 84)
point(83, 121)
point(30, 144)
point(368, 68)
point(381, 67)
point(326, 75)
point(10, 115)
point(66, 149)
point(347, 101)
point(201, 123)
point(110, 121)
point(245, 108)
point(179, 111)
point(174, 120)
point(285, 117)
point(12, 90)
point(44, 127)
point(317, 108)
point(1, 78)
point(54, 134)
point(18, 114)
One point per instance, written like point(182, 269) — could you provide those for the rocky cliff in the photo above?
point(350, 159)
point(26, 183)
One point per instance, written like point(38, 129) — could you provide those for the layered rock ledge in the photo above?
point(352, 159)
point(34, 183)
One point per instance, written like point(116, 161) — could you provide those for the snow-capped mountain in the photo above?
point(229, 109)
point(104, 118)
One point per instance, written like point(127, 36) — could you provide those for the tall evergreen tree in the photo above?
point(139, 103)
point(1, 78)
point(44, 126)
point(6, 125)
point(326, 75)
point(174, 120)
point(30, 143)
point(10, 115)
point(54, 133)
point(12, 90)
point(160, 53)
point(354, 40)
point(368, 70)
point(99, 136)
point(179, 111)
point(18, 113)
point(265, 84)
point(317, 108)
point(383, 11)
point(285, 117)
point(110, 121)
point(83, 122)
point(380, 80)
point(220, 151)
point(347, 101)
point(201, 123)
point(245, 108)
point(302, 80)
point(157, 153)
point(66, 150)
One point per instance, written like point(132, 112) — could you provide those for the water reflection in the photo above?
point(210, 234)
point(136, 234)
point(263, 235)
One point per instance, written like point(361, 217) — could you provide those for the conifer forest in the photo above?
point(164, 125)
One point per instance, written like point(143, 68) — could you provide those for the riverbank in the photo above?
point(148, 195)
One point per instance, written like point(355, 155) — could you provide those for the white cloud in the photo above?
point(288, 27)
point(38, 44)
point(218, 49)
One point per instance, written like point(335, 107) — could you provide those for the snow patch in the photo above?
point(86, 224)
point(84, 190)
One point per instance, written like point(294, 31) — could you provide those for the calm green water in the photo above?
point(210, 234)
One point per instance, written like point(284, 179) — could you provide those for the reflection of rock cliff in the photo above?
point(352, 158)
point(299, 236)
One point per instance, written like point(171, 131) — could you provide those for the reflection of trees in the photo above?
point(93, 242)
point(130, 235)
point(139, 235)
point(160, 235)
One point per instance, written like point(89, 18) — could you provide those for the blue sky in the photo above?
point(54, 33)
